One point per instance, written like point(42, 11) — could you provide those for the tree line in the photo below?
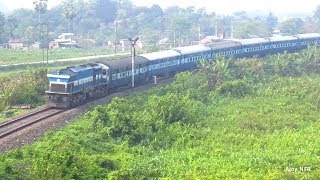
point(111, 20)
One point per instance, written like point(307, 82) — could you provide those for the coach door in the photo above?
point(94, 77)
point(105, 74)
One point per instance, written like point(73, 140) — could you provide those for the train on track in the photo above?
point(74, 85)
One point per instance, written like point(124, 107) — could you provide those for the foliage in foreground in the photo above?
point(27, 88)
point(167, 134)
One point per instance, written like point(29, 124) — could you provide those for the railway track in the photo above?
point(21, 122)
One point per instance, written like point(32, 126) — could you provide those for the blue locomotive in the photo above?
point(72, 86)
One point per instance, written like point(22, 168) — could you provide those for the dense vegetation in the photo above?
point(250, 119)
point(26, 89)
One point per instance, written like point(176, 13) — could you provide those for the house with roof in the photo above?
point(15, 44)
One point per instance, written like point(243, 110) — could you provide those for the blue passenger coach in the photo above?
point(226, 48)
point(121, 70)
point(254, 46)
point(280, 44)
point(162, 62)
point(308, 39)
point(191, 55)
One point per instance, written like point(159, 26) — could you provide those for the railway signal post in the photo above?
point(133, 53)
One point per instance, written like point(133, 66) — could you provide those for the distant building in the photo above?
point(163, 41)
point(53, 45)
point(65, 37)
point(276, 32)
point(15, 44)
point(66, 40)
point(34, 46)
point(124, 44)
point(208, 39)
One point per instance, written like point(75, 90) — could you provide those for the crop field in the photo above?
point(10, 56)
point(18, 68)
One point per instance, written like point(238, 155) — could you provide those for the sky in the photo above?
point(224, 7)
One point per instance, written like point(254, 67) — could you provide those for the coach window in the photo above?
point(104, 72)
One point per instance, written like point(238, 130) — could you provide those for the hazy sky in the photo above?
point(219, 6)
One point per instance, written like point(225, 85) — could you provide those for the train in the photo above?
point(72, 86)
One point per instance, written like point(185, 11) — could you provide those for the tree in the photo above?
point(309, 27)
point(30, 35)
point(70, 12)
point(216, 72)
point(250, 28)
point(106, 10)
point(40, 6)
point(2, 24)
point(19, 20)
point(291, 26)
point(316, 16)
point(271, 21)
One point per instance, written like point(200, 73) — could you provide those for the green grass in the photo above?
point(9, 113)
point(10, 56)
point(16, 69)
point(257, 136)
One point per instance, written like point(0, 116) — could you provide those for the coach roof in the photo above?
point(192, 49)
point(308, 36)
point(161, 55)
point(252, 41)
point(282, 38)
point(124, 62)
point(226, 44)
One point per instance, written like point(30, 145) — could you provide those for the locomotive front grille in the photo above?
point(58, 88)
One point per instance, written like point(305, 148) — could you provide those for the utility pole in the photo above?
point(47, 42)
point(216, 29)
point(42, 42)
point(133, 53)
point(174, 36)
point(115, 36)
point(199, 30)
point(231, 29)
point(116, 30)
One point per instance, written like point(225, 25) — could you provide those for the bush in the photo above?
point(251, 69)
point(27, 88)
point(237, 88)
point(315, 99)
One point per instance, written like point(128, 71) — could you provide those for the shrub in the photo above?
point(252, 69)
point(26, 88)
point(237, 88)
point(315, 99)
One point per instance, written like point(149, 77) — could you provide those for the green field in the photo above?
point(248, 119)
point(16, 61)
point(10, 113)
point(10, 56)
